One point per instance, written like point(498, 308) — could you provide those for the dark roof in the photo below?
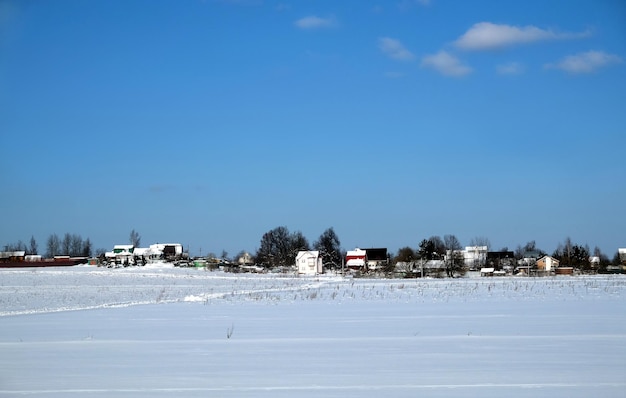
point(500, 255)
point(376, 254)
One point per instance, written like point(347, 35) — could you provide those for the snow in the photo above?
point(160, 331)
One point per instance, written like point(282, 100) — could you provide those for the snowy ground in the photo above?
point(169, 332)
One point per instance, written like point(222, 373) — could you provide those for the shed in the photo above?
point(564, 271)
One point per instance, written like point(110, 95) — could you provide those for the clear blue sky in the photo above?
point(212, 122)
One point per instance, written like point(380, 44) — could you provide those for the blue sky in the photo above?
point(212, 122)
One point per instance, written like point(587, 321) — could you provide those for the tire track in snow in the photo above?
point(220, 295)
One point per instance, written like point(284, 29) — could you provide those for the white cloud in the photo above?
point(446, 64)
point(512, 68)
point(490, 36)
point(394, 49)
point(315, 22)
point(586, 62)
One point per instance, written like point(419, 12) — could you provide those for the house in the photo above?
point(432, 268)
point(356, 259)
point(475, 256)
point(621, 268)
point(376, 257)
point(309, 262)
point(422, 268)
point(121, 254)
point(547, 264)
point(367, 259)
point(501, 260)
point(167, 251)
point(529, 259)
point(245, 259)
point(6, 257)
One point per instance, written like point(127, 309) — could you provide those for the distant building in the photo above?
point(501, 260)
point(245, 259)
point(356, 259)
point(475, 256)
point(376, 257)
point(12, 256)
point(547, 264)
point(121, 254)
point(594, 261)
point(529, 258)
point(131, 255)
point(168, 251)
point(309, 262)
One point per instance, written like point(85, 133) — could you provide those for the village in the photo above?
point(470, 261)
point(374, 262)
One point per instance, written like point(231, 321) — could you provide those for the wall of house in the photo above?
point(475, 256)
point(309, 263)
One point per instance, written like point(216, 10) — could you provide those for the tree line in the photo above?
point(72, 245)
point(279, 247)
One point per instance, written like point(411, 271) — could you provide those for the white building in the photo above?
point(121, 254)
point(309, 262)
point(475, 256)
point(131, 255)
point(245, 259)
point(166, 251)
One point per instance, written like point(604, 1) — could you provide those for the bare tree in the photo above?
point(451, 242)
point(33, 246)
point(480, 241)
point(454, 258)
point(52, 246)
point(16, 247)
point(135, 239)
point(66, 244)
point(86, 248)
point(529, 247)
point(76, 247)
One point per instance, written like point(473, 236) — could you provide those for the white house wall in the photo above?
point(309, 263)
point(475, 255)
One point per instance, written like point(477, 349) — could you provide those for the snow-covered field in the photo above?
point(171, 332)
